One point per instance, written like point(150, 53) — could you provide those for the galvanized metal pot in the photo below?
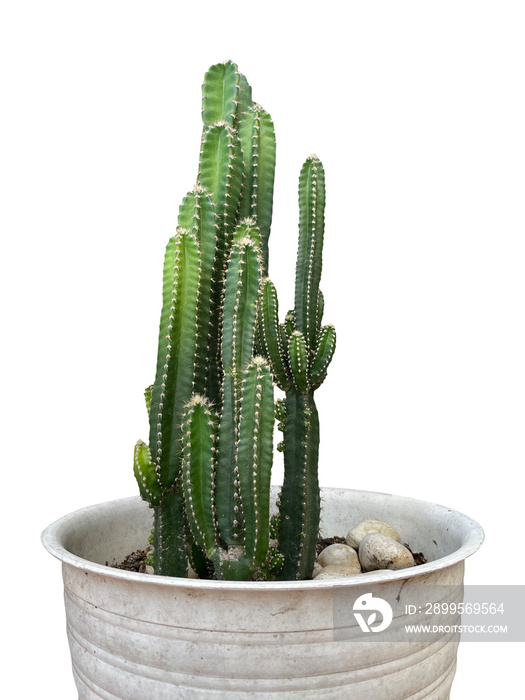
point(142, 637)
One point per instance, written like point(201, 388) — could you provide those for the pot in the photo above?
point(138, 636)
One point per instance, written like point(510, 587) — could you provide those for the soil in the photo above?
point(133, 562)
point(419, 557)
point(137, 560)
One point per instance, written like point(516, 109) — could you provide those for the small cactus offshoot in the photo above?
point(207, 468)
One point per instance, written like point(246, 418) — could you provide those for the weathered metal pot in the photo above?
point(135, 636)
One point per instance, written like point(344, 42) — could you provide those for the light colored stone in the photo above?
point(377, 551)
point(339, 555)
point(365, 527)
point(317, 569)
point(192, 573)
point(335, 571)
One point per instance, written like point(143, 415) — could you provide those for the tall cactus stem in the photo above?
point(178, 339)
point(239, 315)
point(300, 500)
point(198, 466)
point(310, 350)
point(254, 455)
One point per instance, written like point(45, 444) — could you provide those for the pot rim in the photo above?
point(52, 538)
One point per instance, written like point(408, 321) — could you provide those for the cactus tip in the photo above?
point(249, 221)
point(196, 400)
point(260, 361)
point(247, 241)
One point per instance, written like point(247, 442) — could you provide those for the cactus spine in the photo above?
point(206, 471)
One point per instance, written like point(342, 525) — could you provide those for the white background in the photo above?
point(417, 111)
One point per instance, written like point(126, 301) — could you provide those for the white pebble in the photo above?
point(334, 571)
point(338, 554)
point(378, 551)
point(192, 573)
point(365, 527)
point(317, 569)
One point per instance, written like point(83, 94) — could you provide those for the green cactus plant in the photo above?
point(206, 472)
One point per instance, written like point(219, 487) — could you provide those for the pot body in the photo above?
point(134, 636)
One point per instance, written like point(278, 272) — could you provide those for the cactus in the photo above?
point(299, 353)
point(206, 471)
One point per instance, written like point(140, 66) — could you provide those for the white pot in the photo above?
point(136, 636)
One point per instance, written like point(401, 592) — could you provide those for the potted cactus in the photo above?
point(205, 474)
